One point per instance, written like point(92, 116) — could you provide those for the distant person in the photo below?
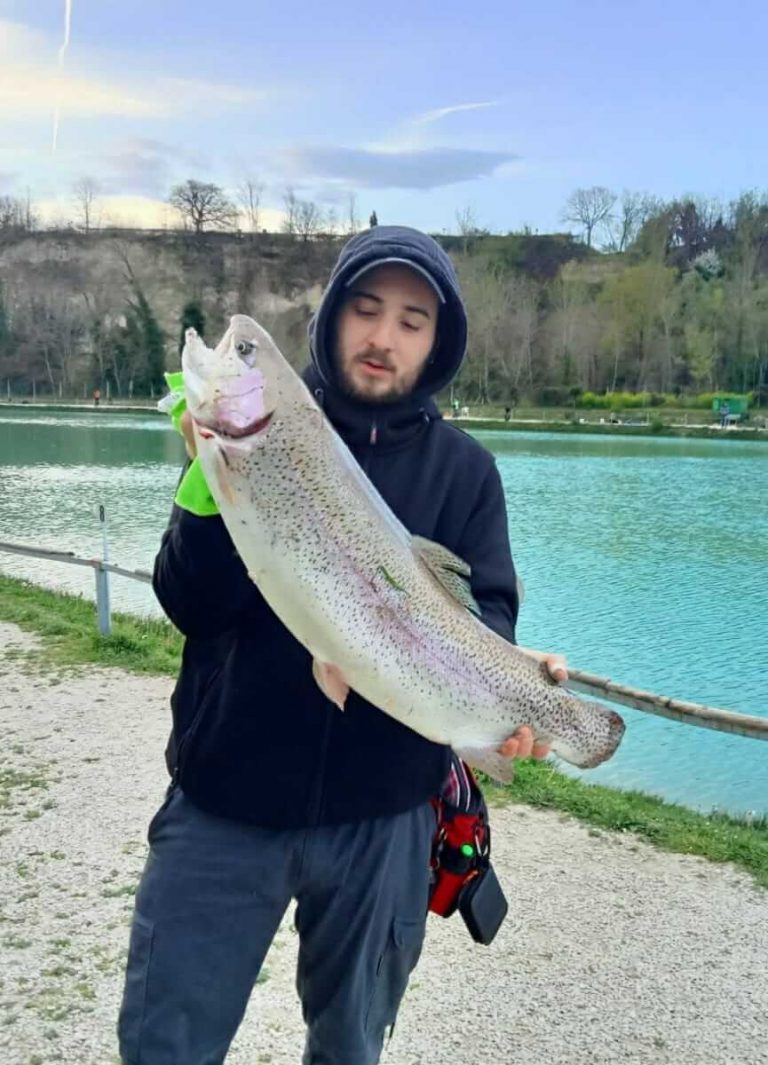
point(373, 220)
point(725, 413)
point(507, 414)
point(96, 397)
point(455, 408)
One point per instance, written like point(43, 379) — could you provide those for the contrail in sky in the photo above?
point(62, 51)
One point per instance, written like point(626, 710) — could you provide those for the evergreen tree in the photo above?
point(138, 350)
point(154, 345)
point(5, 326)
point(192, 317)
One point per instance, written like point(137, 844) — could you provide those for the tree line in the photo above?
point(676, 302)
point(647, 296)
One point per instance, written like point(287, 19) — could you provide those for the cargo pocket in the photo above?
point(396, 964)
point(131, 1020)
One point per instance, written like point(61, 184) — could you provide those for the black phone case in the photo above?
point(483, 906)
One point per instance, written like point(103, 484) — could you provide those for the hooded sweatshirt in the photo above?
point(254, 737)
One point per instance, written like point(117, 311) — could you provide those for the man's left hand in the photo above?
point(521, 744)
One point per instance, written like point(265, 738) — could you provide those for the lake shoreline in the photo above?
point(143, 646)
point(477, 423)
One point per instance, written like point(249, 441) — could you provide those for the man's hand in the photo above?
point(188, 432)
point(521, 744)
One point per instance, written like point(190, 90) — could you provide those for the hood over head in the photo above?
point(371, 248)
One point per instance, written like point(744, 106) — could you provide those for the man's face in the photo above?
point(385, 331)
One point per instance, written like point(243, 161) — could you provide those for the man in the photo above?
point(275, 794)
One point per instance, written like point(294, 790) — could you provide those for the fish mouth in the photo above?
point(230, 430)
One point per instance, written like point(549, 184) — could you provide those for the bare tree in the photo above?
point(635, 210)
point(353, 223)
point(11, 213)
point(249, 196)
point(31, 220)
point(309, 219)
point(203, 205)
point(85, 190)
point(331, 221)
point(589, 208)
point(467, 223)
point(290, 221)
point(303, 218)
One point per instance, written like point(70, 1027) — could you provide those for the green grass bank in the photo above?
point(67, 626)
point(597, 429)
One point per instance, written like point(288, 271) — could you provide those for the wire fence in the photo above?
point(688, 713)
point(102, 568)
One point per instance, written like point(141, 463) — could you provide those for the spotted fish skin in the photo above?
point(348, 580)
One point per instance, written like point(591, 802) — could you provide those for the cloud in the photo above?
point(31, 87)
point(143, 211)
point(188, 94)
point(17, 39)
point(443, 112)
point(28, 91)
point(425, 168)
point(146, 166)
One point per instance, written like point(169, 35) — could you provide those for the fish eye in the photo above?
point(246, 349)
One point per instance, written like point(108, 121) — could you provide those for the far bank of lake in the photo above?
point(536, 420)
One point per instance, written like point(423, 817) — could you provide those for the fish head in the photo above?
point(233, 390)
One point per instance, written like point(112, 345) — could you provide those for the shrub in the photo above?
point(552, 396)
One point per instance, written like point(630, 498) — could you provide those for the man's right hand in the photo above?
point(188, 432)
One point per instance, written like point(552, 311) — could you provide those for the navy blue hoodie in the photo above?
point(255, 738)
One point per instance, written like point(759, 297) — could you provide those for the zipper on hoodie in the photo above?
point(367, 453)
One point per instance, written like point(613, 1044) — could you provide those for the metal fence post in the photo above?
point(102, 580)
point(102, 600)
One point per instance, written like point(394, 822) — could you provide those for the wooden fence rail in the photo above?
point(588, 683)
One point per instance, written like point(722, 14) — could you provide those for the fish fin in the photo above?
point(488, 760)
point(450, 570)
point(330, 680)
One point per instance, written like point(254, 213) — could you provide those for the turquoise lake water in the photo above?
point(644, 559)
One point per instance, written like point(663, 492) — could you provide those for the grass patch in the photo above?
point(67, 624)
point(126, 891)
point(716, 836)
point(27, 780)
point(654, 428)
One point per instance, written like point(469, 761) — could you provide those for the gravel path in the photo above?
point(613, 951)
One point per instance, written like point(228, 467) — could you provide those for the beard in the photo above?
point(398, 388)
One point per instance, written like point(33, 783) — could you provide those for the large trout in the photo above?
point(385, 613)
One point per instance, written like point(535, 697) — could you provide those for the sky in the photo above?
point(422, 109)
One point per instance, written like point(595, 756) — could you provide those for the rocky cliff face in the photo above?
point(66, 290)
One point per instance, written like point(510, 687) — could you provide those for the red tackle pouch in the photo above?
point(462, 875)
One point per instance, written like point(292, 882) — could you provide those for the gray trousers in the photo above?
point(210, 900)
